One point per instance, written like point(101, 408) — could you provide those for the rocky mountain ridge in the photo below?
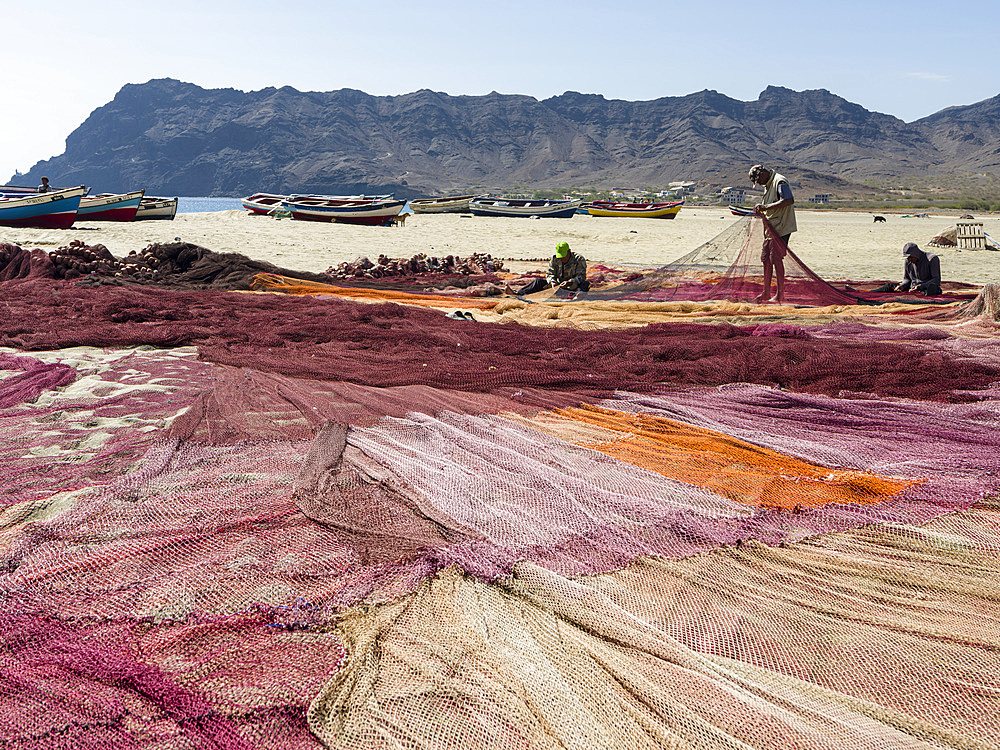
point(180, 139)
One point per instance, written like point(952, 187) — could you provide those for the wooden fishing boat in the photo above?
point(740, 211)
point(452, 204)
point(362, 210)
point(267, 204)
point(53, 210)
point(524, 207)
point(262, 204)
point(156, 208)
point(663, 210)
point(109, 206)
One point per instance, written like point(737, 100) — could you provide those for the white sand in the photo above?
point(835, 244)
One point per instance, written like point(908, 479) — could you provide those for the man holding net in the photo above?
point(921, 271)
point(567, 271)
point(777, 207)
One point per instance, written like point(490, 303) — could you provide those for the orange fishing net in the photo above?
point(734, 468)
point(269, 282)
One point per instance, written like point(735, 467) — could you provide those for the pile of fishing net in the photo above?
point(421, 264)
point(295, 521)
point(452, 275)
point(179, 265)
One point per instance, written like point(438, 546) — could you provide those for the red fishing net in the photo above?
point(388, 345)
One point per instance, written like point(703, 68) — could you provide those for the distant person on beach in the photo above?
point(567, 270)
point(777, 206)
point(44, 187)
point(921, 271)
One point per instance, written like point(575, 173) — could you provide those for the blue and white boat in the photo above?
point(53, 210)
point(110, 206)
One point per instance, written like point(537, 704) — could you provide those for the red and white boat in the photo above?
point(364, 210)
point(262, 204)
point(55, 209)
point(109, 206)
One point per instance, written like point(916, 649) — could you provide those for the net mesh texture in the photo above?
point(299, 521)
point(742, 264)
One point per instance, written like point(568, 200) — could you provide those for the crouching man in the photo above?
point(567, 270)
point(921, 271)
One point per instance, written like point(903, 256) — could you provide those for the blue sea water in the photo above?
point(192, 205)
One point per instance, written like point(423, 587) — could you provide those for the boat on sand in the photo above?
point(55, 209)
point(525, 207)
point(663, 210)
point(156, 208)
point(363, 210)
point(262, 204)
point(453, 204)
point(109, 206)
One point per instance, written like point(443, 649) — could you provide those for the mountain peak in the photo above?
point(175, 137)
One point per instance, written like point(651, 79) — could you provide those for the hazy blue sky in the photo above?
point(65, 58)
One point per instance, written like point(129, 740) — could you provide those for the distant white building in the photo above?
point(732, 195)
point(820, 198)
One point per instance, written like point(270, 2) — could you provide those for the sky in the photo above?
point(907, 59)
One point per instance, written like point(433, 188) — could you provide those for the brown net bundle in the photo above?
point(176, 265)
point(986, 305)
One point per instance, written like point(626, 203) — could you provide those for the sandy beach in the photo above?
point(837, 245)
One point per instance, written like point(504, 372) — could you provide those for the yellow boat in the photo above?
point(641, 210)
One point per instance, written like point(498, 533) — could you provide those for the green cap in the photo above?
point(562, 249)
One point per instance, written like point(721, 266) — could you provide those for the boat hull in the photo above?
point(640, 211)
point(347, 212)
point(53, 210)
point(121, 207)
point(156, 208)
point(524, 208)
point(458, 204)
point(261, 204)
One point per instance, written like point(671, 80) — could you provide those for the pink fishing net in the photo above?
point(254, 520)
